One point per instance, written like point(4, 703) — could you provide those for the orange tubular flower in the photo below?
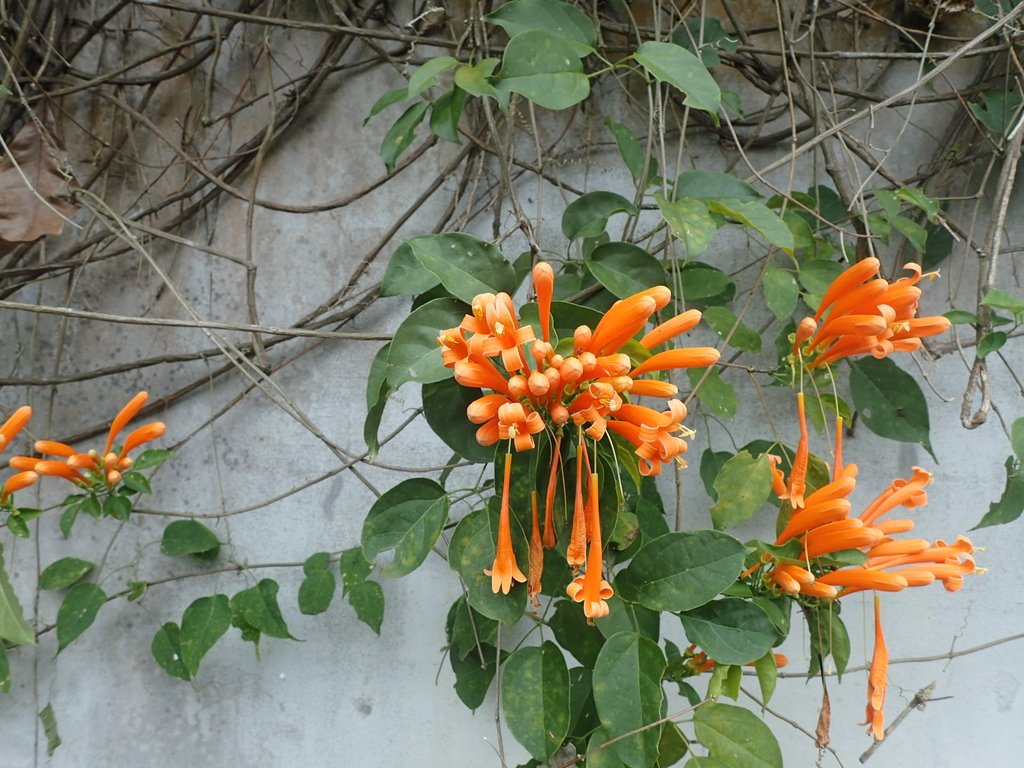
point(518, 425)
point(14, 425)
point(126, 414)
point(550, 539)
point(505, 569)
point(47, 468)
point(575, 553)
point(140, 436)
point(544, 285)
point(798, 474)
point(16, 483)
point(590, 589)
point(877, 679)
point(692, 357)
point(681, 323)
point(536, 555)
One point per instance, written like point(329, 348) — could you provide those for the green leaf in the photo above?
point(13, 628)
point(828, 638)
point(465, 265)
point(402, 134)
point(386, 100)
point(426, 76)
point(722, 321)
point(466, 628)
point(377, 392)
point(816, 276)
point(730, 630)
point(999, 107)
point(17, 526)
point(707, 185)
point(716, 395)
point(1017, 437)
point(64, 573)
point(136, 589)
point(535, 698)
point(77, 612)
point(258, 607)
point(767, 675)
point(202, 625)
point(445, 114)
point(601, 751)
point(690, 221)
point(704, 285)
point(555, 17)
point(890, 401)
point(628, 695)
point(473, 79)
point(154, 457)
point(711, 463)
point(629, 617)
point(682, 570)
point(818, 405)
point(354, 568)
point(780, 292)
point(991, 342)
point(545, 68)
point(405, 276)
point(625, 269)
point(117, 507)
point(916, 235)
point(587, 215)
point(414, 354)
point(575, 633)
point(736, 738)
point(166, 650)
point(444, 407)
point(317, 589)
point(5, 670)
point(473, 676)
point(758, 217)
point(408, 519)
point(918, 198)
point(49, 721)
point(1011, 503)
point(136, 481)
point(471, 550)
point(633, 154)
point(189, 537)
point(367, 598)
point(675, 65)
point(672, 746)
point(999, 299)
point(742, 487)
point(960, 317)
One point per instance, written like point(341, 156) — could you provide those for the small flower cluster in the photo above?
point(99, 473)
point(866, 315)
point(589, 380)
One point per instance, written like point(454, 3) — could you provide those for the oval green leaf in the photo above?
point(730, 630)
point(552, 16)
point(624, 268)
point(675, 65)
point(736, 737)
point(77, 613)
point(202, 625)
point(13, 627)
point(166, 650)
point(472, 550)
point(444, 407)
point(414, 354)
point(545, 68)
point(587, 215)
point(535, 698)
point(189, 537)
point(64, 573)
point(408, 519)
point(742, 486)
point(465, 265)
point(890, 401)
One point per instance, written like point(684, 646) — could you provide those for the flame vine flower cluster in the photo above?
point(105, 478)
point(587, 384)
point(832, 552)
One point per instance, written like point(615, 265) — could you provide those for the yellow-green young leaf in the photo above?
point(407, 519)
point(367, 598)
point(723, 321)
point(716, 395)
point(202, 625)
point(821, 408)
point(767, 675)
point(64, 573)
point(1000, 299)
point(758, 217)
point(473, 79)
point(890, 401)
point(681, 570)
point(1011, 504)
point(624, 268)
point(49, 721)
point(587, 215)
point(13, 628)
point(690, 221)
point(675, 65)
point(535, 698)
point(629, 696)
point(77, 612)
point(736, 737)
point(402, 134)
point(725, 681)
point(743, 485)
point(426, 76)
point(166, 650)
point(731, 630)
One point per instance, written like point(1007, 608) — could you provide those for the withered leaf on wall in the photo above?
point(24, 216)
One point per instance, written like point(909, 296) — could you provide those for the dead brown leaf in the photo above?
point(34, 185)
point(821, 737)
